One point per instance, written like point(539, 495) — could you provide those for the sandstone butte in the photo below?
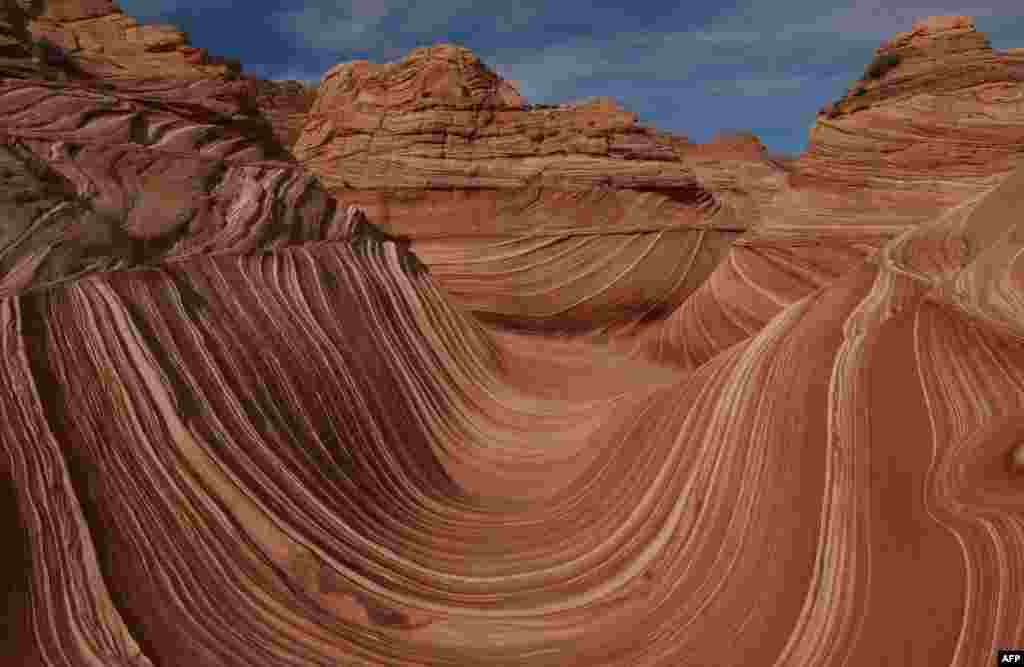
point(265, 397)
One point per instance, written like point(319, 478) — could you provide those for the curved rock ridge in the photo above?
point(98, 181)
point(95, 45)
point(737, 169)
point(100, 41)
point(940, 126)
point(440, 119)
point(242, 424)
point(879, 165)
point(439, 149)
point(383, 481)
point(936, 132)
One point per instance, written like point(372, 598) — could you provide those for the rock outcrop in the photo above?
point(937, 119)
point(936, 122)
point(737, 169)
point(99, 181)
point(241, 424)
point(95, 44)
point(440, 120)
point(108, 44)
point(504, 201)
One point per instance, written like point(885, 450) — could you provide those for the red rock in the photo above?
point(965, 134)
point(241, 423)
point(110, 46)
point(439, 149)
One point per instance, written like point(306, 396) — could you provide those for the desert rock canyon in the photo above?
point(402, 370)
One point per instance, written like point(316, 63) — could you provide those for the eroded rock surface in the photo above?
point(242, 424)
point(98, 181)
point(440, 120)
point(95, 44)
point(936, 129)
point(439, 149)
point(106, 43)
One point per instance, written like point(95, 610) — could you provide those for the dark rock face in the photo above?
point(285, 104)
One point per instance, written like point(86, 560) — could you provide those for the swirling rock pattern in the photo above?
point(265, 434)
point(100, 180)
point(940, 127)
point(931, 134)
point(439, 149)
point(99, 46)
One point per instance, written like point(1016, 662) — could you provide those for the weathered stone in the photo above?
point(940, 127)
point(240, 424)
point(439, 149)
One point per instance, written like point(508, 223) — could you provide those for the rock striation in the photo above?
point(936, 122)
point(438, 149)
point(98, 181)
point(103, 42)
point(939, 126)
point(441, 120)
point(96, 44)
point(240, 423)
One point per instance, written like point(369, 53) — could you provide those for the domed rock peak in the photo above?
point(935, 118)
point(441, 75)
point(439, 149)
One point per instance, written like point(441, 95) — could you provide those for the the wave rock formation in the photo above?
point(246, 420)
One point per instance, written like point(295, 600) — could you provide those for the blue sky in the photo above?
point(690, 68)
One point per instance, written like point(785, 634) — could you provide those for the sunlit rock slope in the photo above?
point(563, 218)
point(244, 422)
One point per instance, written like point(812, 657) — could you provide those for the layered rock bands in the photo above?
point(264, 411)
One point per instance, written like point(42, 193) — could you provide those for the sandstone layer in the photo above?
point(103, 42)
point(99, 181)
point(261, 433)
point(95, 44)
point(936, 129)
point(503, 200)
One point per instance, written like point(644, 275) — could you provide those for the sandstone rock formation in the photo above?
point(98, 44)
point(934, 132)
point(737, 169)
point(109, 44)
point(938, 128)
point(108, 181)
point(241, 424)
point(504, 201)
